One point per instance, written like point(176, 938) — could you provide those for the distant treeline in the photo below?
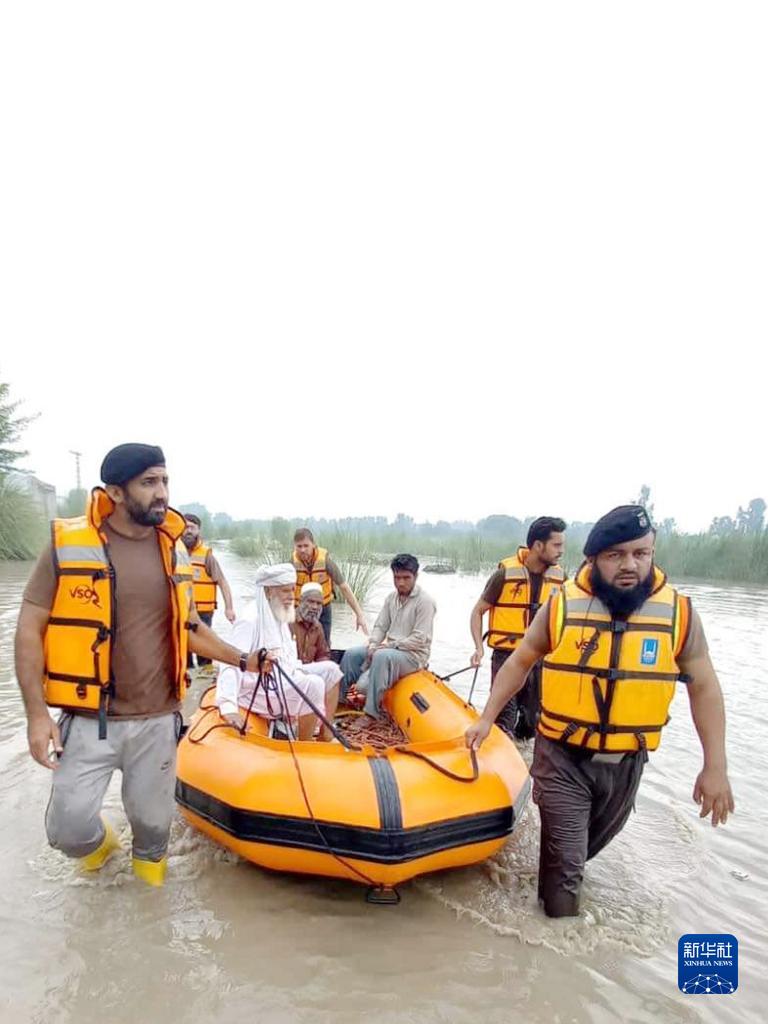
point(734, 549)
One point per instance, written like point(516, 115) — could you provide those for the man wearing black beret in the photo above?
point(104, 630)
point(615, 641)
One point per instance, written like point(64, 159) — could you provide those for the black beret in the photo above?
point(128, 460)
point(626, 522)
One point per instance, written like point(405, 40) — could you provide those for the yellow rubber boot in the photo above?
point(150, 871)
point(94, 860)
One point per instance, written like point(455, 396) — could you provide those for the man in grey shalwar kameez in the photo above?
point(400, 641)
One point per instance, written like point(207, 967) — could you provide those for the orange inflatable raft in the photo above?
point(372, 816)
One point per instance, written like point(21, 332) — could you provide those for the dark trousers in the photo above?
point(207, 618)
point(325, 622)
point(519, 715)
point(583, 804)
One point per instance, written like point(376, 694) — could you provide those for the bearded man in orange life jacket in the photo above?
point(514, 593)
point(615, 641)
point(105, 624)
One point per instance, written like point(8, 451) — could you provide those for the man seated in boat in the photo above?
point(400, 641)
point(266, 625)
point(309, 635)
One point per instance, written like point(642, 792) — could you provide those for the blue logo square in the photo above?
point(708, 964)
point(649, 652)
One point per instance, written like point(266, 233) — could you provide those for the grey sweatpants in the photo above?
point(583, 805)
point(145, 751)
point(387, 666)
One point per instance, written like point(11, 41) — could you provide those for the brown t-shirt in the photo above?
point(310, 641)
point(213, 568)
point(142, 656)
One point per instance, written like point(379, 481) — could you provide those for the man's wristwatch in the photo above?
point(243, 662)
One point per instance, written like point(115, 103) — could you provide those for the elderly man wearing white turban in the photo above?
point(267, 626)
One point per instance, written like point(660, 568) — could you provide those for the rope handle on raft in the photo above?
point(469, 668)
point(445, 771)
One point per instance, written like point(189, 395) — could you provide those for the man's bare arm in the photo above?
point(476, 629)
point(712, 789)
point(42, 731)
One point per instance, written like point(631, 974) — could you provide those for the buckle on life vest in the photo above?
point(618, 626)
point(81, 690)
point(103, 634)
point(612, 674)
point(106, 692)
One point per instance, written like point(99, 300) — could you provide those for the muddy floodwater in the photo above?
point(225, 942)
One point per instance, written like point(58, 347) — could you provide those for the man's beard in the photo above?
point(309, 615)
point(190, 543)
point(152, 516)
point(281, 613)
point(621, 601)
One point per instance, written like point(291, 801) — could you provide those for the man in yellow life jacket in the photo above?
point(207, 576)
point(513, 594)
point(105, 624)
point(615, 641)
point(314, 565)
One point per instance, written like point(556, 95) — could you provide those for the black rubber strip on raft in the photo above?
point(381, 846)
point(387, 793)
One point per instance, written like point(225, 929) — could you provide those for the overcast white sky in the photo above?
point(361, 258)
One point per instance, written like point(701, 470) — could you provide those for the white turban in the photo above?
point(270, 633)
point(311, 588)
point(281, 575)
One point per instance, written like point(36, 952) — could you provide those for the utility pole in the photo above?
point(77, 466)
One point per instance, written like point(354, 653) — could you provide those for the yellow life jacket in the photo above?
point(81, 628)
point(607, 683)
point(513, 612)
point(205, 588)
point(317, 573)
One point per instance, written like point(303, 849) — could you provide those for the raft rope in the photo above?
point(445, 771)
point(341, 860)
point(458, 673)
point(279, 691)
point(320, 714)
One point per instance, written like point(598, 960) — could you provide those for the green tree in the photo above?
point(750, 519)
point(722, 526)
point(644, 499)
point(11, 429)
point(22, 530)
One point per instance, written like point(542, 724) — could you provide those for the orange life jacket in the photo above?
point(81, 628)
point(514, 611)
point(607, 683)
point(316, 573)
point(204, 588)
